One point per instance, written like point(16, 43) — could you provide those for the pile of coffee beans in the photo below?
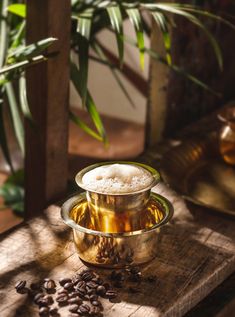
point(81, 293)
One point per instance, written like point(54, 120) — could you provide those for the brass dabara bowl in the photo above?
point(119, 229)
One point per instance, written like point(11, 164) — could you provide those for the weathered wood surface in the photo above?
point(48, 96)
point(196, 253)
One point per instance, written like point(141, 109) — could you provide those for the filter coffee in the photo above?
point(117, 179)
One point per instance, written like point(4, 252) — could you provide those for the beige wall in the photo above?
point(109, 97)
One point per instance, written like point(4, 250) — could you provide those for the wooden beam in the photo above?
point(46, 160)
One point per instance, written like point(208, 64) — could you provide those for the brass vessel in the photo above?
point(115, 230)
point(117, 249)
point(118, 211)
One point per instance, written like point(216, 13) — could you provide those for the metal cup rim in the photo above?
point(155, 174)
point(71, 202)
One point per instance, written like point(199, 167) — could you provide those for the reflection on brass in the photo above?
point(102, 241)
point(227, 134)
point(196, 170)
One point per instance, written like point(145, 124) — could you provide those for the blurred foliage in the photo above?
point(88, 17)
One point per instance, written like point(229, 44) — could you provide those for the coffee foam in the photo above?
point(117, 178)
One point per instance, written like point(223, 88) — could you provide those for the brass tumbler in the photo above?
point(118, 212)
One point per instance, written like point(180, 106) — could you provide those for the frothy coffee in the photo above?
point(117, 179)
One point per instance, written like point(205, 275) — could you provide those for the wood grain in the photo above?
point(196, 253)
point(48, 88)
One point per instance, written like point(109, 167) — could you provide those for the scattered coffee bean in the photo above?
point(75, 300)
point(49, 285)
point(92, 284)
point(97, 280)
point(62, 299)
point(110, 294)
point(49, 299)
point(101, 290)
point(80, 284)
point(54, 311)
point(87, 275)
point(93, 297)
point(68, 286)
point(20, 286)
point(63, 291)
point(73, 308)
point(91, 291)
point(37, 298)
point(84, 308)
point(44, 311)
point(64, 280)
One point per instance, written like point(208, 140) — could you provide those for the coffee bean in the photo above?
point(80, 284)
point(100, 290)
point(49, 285)
point(111, 294)
point(49, 299)
point(74, 294)
point(73, 308)
point(54, 311)
point(62, 299)
point(44, 311)
point(97, 280)
point(106, 285)
point(64, 280)
point(75, 300)
point(63, 291)
point(37, 298)
point(20, 286)
point(87, 275)
point(90, 291)
point(96, 303)
point(93, 297)
point(84, 308)
point(92, 284)
point(68, 286)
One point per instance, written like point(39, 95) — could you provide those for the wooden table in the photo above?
point(196, 253)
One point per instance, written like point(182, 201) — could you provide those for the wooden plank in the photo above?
point(196, 253)
point(48, 93)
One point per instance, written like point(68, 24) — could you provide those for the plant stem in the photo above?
point(3, 33)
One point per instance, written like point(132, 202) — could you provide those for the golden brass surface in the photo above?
point(116, 242)
point(197, 171)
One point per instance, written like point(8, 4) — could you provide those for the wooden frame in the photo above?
point(46, 161)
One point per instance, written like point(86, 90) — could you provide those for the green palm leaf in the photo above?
point(18, 9)
point(15, 115)
point(84, 126)
point(194, 20)
point(3, 139)
point(162, 23)
point(115, 17)
point(90, 105)
point(135, 19)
